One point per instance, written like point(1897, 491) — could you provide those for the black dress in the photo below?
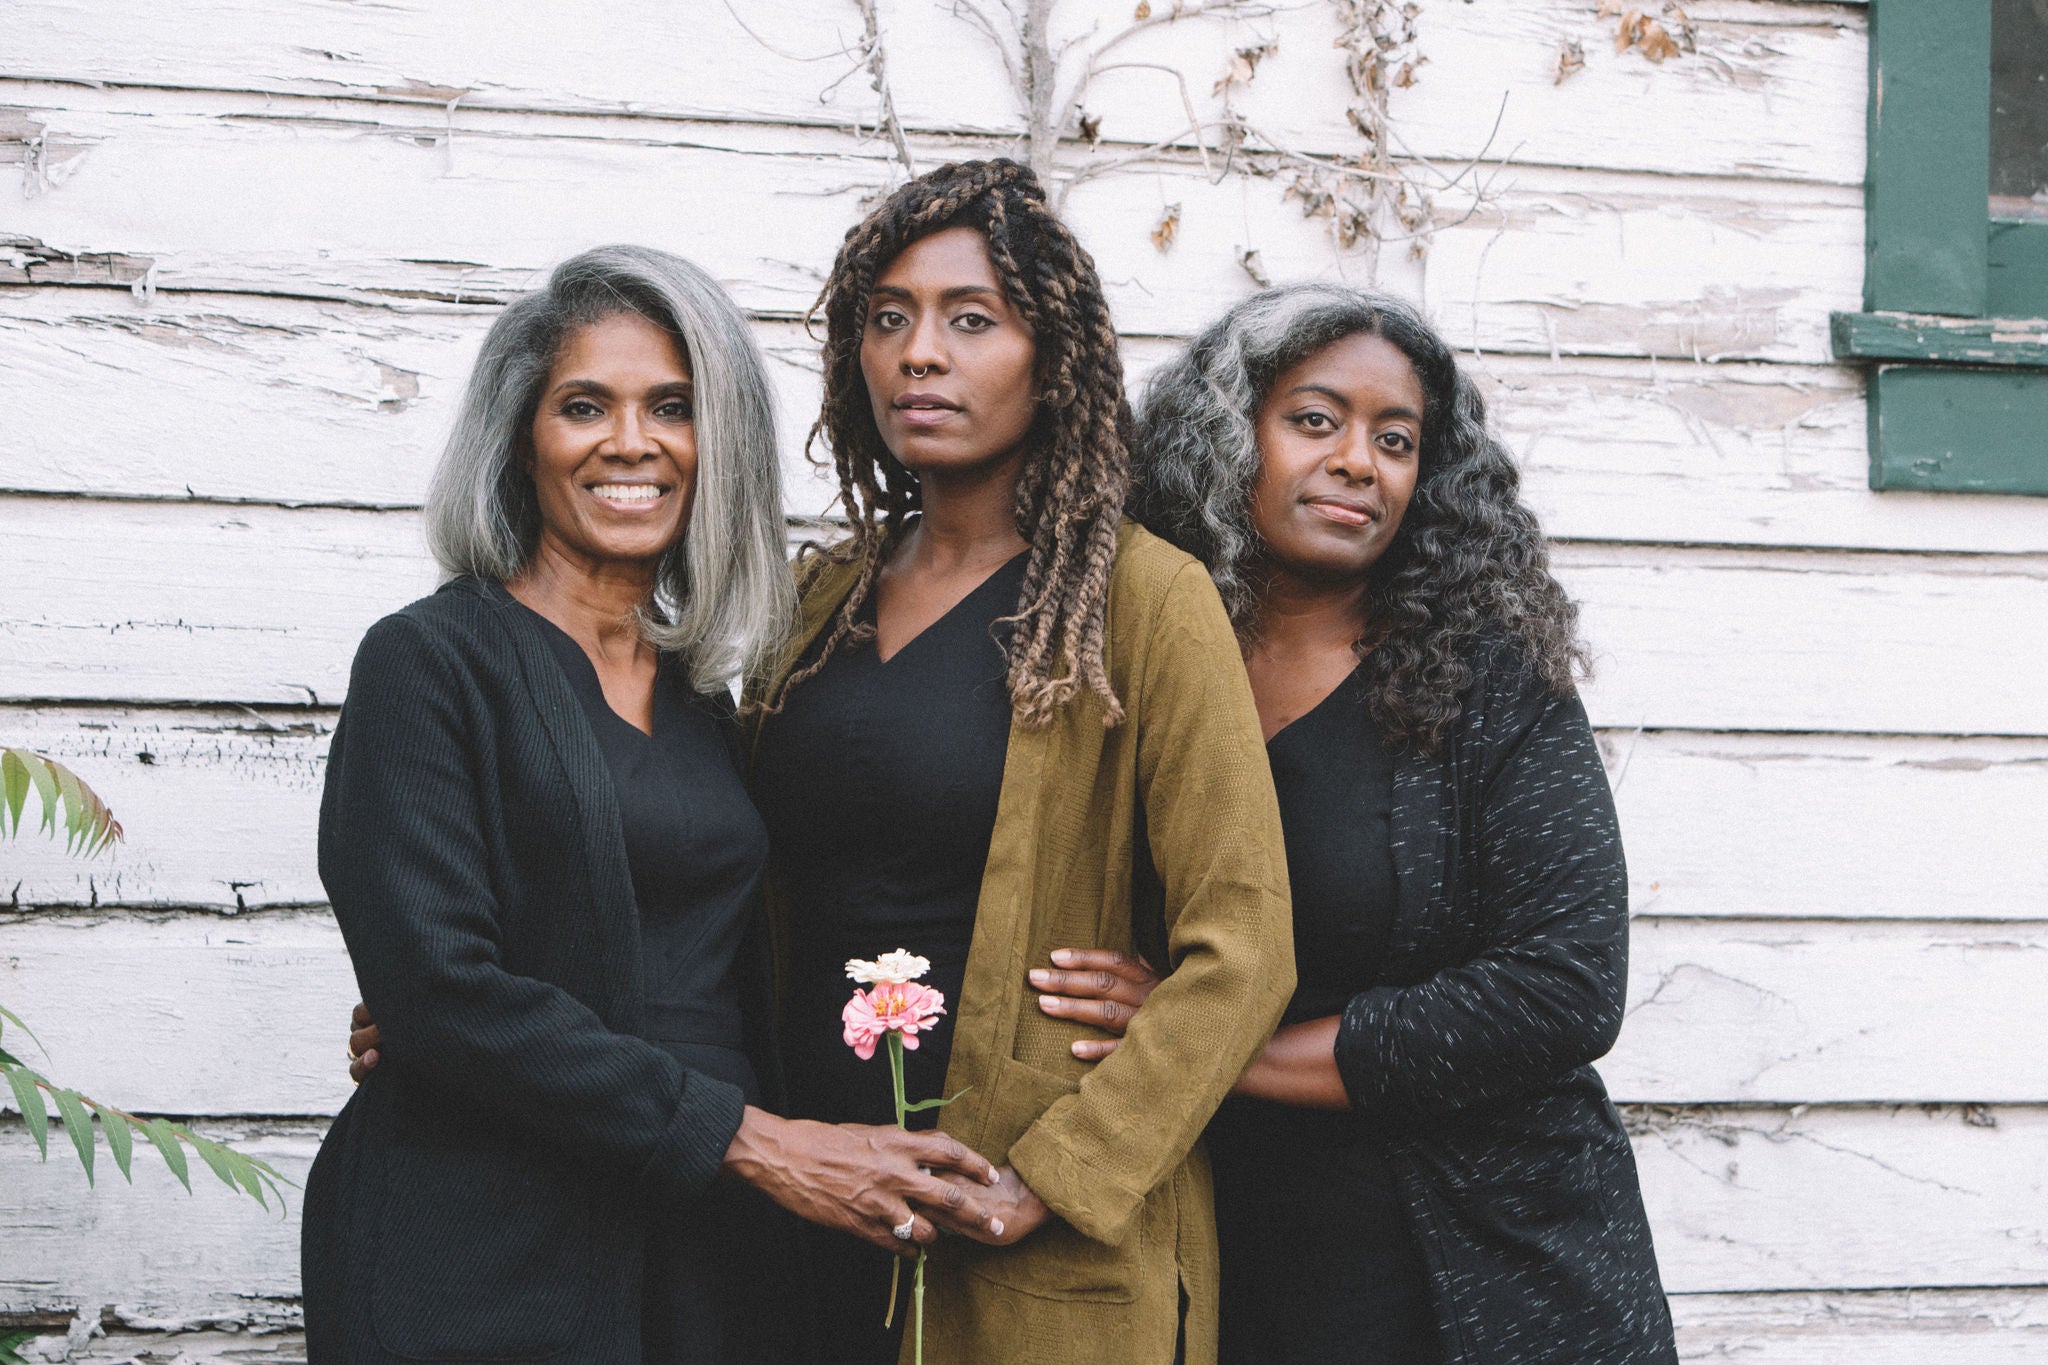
point(1320, 1264)
point(697, 850)
point(879, 783)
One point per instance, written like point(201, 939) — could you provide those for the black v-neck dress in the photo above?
point(879, 782)
point(1320, 1264)
point(697, 850)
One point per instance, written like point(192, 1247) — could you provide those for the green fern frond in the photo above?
point(89, 826)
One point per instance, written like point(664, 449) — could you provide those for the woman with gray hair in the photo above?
point(1422, 1165)
point(544, 861)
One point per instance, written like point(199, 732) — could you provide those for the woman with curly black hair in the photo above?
point(1002, 699)
point(1422, 1165)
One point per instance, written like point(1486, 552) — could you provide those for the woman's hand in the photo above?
point(1018, 1212)
point(363, 1042)
point(1094, 986)
point(865, 1179)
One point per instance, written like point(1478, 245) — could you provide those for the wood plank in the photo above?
point(1895, 1327)
point(220, 807)
point(1929, 142)
point(240, 397)
point(1747, 1010)
point(1555, 261)
point(1785, 81)
point(1925, 336)
point(1721, 1010)
point(191, 602)
point(1829, 1200)
point(246, 603)
point(221, 814)
point(157, 1256)
point(1841, 826)
point(186, 1014)
point(1899, 1327)
point(247, 397)
point(1846, 1198)
point(1954, 430)
point(1739, 640)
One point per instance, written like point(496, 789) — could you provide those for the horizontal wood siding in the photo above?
point(248, 250)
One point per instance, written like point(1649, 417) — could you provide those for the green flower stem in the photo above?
point(896, 1271)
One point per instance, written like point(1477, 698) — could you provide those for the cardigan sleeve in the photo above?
point(1214, 827)
point(1544, 994)
point(404, 859)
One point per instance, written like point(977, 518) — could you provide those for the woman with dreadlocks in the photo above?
point(1004, 706)
point(1422, 1165)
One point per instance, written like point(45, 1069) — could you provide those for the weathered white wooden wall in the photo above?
point(247, 248)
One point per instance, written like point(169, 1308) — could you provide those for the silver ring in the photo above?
point(904, 1229)
point(916, 373)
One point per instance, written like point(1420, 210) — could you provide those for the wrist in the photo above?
point(753, 1151)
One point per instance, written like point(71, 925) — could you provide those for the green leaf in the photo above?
point(9, 1059)
point(11, 1017)
point(89, 826)
point(30, 1101)
point(46, 787)
point(934, 1104)
point(74, 805)
point(120, 1141)
point(10, 1340)
point(13, 788)
point(165, 1139)
point(78, 1123)
point(246, 1174)
point(212, 1153)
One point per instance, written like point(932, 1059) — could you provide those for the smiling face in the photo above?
point(949, 364)
point(1339, 438)
point(614, 460)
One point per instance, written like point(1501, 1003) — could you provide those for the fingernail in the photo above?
point(1062, 956)
point(1046, 1002)
point(995, 1225)
point(1039, 976)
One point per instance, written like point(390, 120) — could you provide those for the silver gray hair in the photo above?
point(724, 600)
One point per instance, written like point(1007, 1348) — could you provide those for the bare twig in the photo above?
point(877, 59)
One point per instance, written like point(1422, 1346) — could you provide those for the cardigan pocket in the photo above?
point(1055, 1262)
point(483, 1245)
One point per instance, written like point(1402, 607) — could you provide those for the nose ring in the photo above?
point(916, 373)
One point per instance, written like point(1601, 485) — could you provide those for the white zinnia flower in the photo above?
point(894, 968)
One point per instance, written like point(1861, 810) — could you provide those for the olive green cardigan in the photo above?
point(1111, 1148)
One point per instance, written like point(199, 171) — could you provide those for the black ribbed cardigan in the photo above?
point(485, 1193)
point(1509, 947)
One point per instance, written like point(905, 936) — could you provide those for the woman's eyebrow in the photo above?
point(957, 292)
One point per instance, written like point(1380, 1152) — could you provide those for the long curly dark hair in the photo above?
point(1075, 483)
point(1469, 558)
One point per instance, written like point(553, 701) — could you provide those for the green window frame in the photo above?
point(1955, 320)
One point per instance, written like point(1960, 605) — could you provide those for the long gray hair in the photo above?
point(724, 600)
point(1469, 559)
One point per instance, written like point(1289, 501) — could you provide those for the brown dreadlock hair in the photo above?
point(1072, 493)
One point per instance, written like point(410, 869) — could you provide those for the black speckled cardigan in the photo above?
point(1510, 944)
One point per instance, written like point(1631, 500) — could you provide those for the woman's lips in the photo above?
point(628, 497)
point(923, 409)
point(1343, 513)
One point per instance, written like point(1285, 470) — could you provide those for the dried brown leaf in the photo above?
point(1656, 42)
point(1571, 59)
point(1168, 229)
point(1248, 258)
point(1091, 126)
point(1144, 10)
point(1608, 9)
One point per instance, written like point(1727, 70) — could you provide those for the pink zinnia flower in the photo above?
point(900, 1006)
